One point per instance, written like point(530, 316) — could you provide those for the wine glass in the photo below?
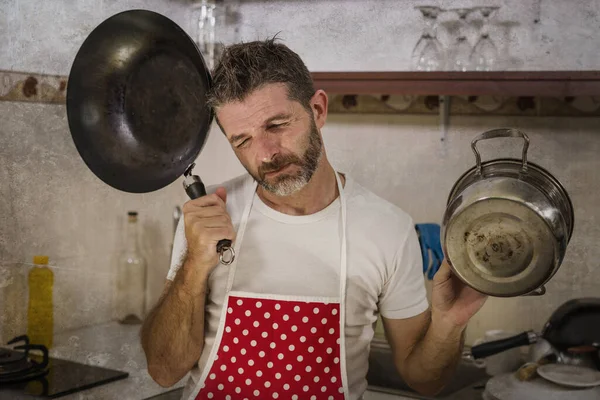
point(461, 53)
point(427, 54)
point(204, 18)
point(485, 54)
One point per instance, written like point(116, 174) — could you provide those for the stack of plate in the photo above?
point(555, 382)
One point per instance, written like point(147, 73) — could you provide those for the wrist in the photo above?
point(194, 276)
point(195, 264)
point(445, 329)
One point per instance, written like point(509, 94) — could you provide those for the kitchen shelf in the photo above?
point(507, 83)
point(41, 88)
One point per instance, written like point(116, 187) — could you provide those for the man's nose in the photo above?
point(269, 147)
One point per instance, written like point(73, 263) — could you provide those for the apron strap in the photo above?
point(343, 279)
point(240, 235)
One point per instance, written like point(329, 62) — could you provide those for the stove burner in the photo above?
point(27, 371)
point(20, 366)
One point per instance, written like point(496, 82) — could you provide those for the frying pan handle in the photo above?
point(196, 189)
point(497, 346)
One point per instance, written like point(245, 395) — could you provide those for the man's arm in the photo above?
point(425, 353)
point(428, 347)
point(173, 333)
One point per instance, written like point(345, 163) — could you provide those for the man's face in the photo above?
point(275, 139)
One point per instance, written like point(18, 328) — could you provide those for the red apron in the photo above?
point(278, 347)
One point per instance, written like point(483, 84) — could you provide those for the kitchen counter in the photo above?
point(111, 345)
point(117, 346)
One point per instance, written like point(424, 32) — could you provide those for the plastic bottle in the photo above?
point(40, 311)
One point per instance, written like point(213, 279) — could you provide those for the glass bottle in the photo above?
point(131, 278)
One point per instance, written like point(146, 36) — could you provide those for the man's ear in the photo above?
point(318, 103)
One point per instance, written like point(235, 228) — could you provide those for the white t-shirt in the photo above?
point(300, 256)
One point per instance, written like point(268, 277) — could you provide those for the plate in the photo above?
point(509, 387)
point(570, 375)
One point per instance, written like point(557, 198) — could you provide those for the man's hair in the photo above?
point(246, 67)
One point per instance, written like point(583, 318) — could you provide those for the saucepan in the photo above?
point(137, 105)
point(571, 335)
point(507, 223)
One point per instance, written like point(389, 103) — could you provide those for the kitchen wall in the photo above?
point(44, 36)
point(343, 35)
point(330, 35)
point(52, 204)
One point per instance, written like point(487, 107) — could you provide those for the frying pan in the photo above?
point(573, 326)
point(137, 105)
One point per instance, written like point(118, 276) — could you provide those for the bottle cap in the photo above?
point(132, 213)
point(43, 260)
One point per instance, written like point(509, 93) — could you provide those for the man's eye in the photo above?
point(242, 143)
point(275, 126)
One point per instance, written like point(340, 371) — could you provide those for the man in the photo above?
point(318, 258)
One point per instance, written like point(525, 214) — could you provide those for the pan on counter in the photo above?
point(137, 105)
point(573, 331)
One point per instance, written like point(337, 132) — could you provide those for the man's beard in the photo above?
point(290, 183)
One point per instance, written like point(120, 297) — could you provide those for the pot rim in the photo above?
point(517, 165)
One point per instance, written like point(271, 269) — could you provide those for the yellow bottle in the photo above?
point(40, 312)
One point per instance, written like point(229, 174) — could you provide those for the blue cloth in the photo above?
point(429, 239)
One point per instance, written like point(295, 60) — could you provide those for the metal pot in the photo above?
point(507, 224)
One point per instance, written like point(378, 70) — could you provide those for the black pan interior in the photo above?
point(137, 101)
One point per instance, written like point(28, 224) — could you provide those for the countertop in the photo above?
point(111, 345)
point(117, 346)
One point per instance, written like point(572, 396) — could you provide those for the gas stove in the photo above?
point(28, 372)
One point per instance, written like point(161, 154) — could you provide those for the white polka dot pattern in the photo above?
point(294, 354)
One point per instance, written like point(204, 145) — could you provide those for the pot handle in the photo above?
point(496, 133)
point(537, 292)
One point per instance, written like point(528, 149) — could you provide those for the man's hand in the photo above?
point(206, 223)
point(453, 302)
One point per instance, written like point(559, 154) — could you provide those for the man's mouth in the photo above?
point(278, 171)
